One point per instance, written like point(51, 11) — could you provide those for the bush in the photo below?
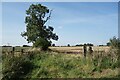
point(15, 67)
point(105, 60)
point(55, 65)
point(115, 43)
point(24, 46)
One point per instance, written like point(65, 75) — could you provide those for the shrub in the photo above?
point(26, 46)
point(115, 43)
point(55, 65)
point(15, 67)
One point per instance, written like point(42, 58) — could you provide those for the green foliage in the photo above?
point(56, 65)
point(42, 43)
point(36, 30)
point(62, 66)
point(105, 61)
point(115, 42)
point(108, 44)
point(15, 67)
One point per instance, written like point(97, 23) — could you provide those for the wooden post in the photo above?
point(85, 50)
point(22, 50)
point(13, 50)
point(90, 50)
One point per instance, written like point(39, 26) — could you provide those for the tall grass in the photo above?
point(57, 65)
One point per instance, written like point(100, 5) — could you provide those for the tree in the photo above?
point(53, 45)
point(37, 32)
point(79, 45)
point(68, 45)
point(108, 44)
point(115, 42)
point(115, 46)
point(89, 44)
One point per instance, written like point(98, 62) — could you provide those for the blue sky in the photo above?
point(60, 0)
point(75, 23)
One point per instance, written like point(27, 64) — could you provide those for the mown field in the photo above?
point(53, 64)
point(80, 49)
point(60, 49)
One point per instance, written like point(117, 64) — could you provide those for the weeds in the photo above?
point(56, 65)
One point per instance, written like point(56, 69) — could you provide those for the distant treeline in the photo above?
point(68, 45)
point(17, 46)
point(88, 44)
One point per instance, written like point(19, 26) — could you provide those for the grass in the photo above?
point(60, 49)
point(59, 65)
point(8, 49)
point(79, 49)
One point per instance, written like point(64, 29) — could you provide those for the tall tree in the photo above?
point(37, 31)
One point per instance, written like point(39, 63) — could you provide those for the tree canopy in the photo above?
point(37, 31)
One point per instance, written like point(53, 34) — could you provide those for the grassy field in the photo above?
point(52, 64)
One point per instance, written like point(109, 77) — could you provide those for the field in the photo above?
point(61, 49)
point(80, 49)
point(56, 64)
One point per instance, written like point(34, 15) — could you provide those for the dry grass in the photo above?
point(106, 73)
point(80, 49)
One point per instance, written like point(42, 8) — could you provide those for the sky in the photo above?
point(60, 0)
point(74, 22)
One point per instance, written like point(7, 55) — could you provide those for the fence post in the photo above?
point(13, 50)
point(85, 50)
point(90, 50)
point(22, 51)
